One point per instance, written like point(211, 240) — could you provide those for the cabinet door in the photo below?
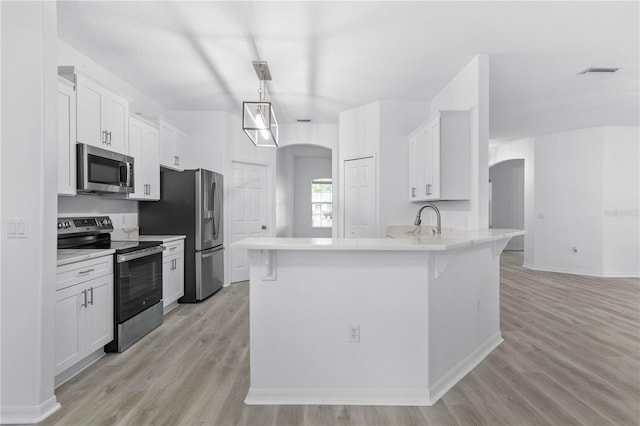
point(66, 140)
point(150, 151)
point(181, 148)
point(177, 279)
point(167, 138)
point(167, 269)
point(117, 122)
point(136, 132)
point(431, 187)
point(68, 339)
point(98, 317)
point(413, 167)
point(90, 113)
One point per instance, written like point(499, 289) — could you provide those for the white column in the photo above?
point(28, 196)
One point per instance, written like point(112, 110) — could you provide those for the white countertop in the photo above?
point(66, 256)
point(401, 238)
point(163, 238)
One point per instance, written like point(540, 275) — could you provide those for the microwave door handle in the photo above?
point(130, 174)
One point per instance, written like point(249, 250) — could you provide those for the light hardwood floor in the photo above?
point(570, 356)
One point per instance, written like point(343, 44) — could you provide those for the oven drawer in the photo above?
point(75, 273)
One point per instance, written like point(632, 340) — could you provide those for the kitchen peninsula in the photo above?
point(376, 321)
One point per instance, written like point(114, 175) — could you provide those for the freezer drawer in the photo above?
point(209, 272)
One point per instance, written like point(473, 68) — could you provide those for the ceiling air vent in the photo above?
point(598, 69)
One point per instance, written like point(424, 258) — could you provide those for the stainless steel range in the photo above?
point(137, 276)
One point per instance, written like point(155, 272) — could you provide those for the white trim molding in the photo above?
point(28, 414)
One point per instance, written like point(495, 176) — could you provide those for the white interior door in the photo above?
point(360, 198)
point(248, 212)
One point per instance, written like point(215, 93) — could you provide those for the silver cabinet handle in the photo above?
point(109, 133)
point(413, 192)
point(428, 189)
point(263, 227)
point(84, 294)
point(178, 157)
point(91, 290)
point(104, 137)
point(86, 271)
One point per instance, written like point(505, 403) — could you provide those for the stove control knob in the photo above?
point(67, 224)
point(105, 222)
point(60, 225)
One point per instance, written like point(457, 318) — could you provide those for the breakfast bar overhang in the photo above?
point(389, 321)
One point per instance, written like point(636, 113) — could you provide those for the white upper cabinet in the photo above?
point(439, 159)
point(173, 145)
point(102, 115)
point(66, 138)
point(144, 148)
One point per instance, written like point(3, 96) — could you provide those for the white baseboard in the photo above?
point(399, 397)
point(28, 414)
point(456, 374)
point(76, 369)
point(582, 271)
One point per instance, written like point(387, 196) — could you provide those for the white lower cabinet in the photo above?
point(172, 274)
point(83, 311)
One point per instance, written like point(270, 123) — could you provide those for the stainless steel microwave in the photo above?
point(100, 171)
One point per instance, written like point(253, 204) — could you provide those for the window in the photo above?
point(321, 207)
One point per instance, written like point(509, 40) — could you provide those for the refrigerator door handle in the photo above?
point(213, 209)
point(210, 253)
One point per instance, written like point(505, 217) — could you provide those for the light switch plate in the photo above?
point(17, 228)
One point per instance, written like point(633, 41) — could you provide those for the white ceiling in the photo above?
point(326, 57)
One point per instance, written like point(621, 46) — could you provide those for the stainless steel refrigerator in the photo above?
point(191, 204)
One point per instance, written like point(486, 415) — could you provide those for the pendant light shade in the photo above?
point(258, 119)
point(259, 123)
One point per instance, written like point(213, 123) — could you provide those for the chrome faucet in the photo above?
point(418, 220)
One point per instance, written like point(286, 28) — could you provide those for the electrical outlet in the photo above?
point(354, 334)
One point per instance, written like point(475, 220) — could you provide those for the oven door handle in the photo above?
point(138, 254)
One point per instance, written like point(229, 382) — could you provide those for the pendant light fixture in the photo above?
point(258, 119)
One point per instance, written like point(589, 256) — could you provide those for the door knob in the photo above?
point(264, 226)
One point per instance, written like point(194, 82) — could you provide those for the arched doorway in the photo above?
point(507, 198)
point(304, 201)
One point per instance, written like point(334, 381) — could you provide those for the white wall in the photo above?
point(284, 192)
point(568, 201)
point(621, 201)
point(469, 90)
point(581, 190)
point(397, 121)
point(305, 170)
point(209, 133)
point(507, 200)
point(29, 170)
